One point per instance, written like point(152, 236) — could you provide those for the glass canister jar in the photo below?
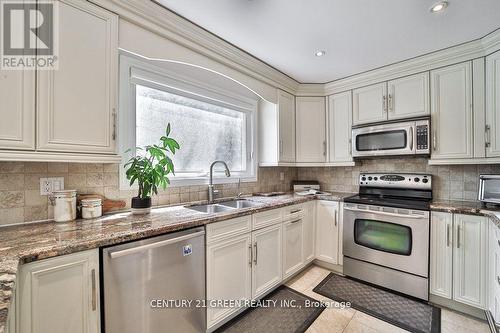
point(91, 208)
point(64, 203)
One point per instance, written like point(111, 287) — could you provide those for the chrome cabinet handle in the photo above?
point(391, 103)
point(487, 136)
point(94, 291)
point(114, 124)
point(295, 211)
point(498, 242)
point(350, 146)
point(458, 237)
point(434, 140)
point(255, 258)
point(498, 279)
point(250, 256)
point(335, 217)
point(384, 103)
point(411, 138)
point(448, 232)
point(281, 147)
point(324, 148)
point(295, 221)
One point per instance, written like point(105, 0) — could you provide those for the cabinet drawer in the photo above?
point(293, 212)
point(229, 228)
point(267, 218)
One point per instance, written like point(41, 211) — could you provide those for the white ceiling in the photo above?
point(358, 35)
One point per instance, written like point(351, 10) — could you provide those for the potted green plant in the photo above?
point(150, 168)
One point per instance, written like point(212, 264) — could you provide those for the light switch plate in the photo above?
point(49, 185)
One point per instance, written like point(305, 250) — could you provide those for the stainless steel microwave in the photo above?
point(409, 137)
point(489, 189)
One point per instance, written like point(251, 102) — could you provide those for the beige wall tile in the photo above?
point(74, 180)
point(94, 167)
point(35, 167)
point(11, 215)
point(111, 179)
point(77, 168)
point(32, 181)
point(11, 182)
point(36, 213)
point(11, 199)
point(33, 198)
point(58, 167)
point(111, 168)
point(11, 167)
point(95, 179)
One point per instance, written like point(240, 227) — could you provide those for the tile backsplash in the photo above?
point(450, 182)
point(20, 199)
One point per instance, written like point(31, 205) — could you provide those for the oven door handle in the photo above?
point(384, 213)
point(411, 139)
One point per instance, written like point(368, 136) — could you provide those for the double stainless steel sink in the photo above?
point(224, 206)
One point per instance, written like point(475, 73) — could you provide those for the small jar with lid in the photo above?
point(64, 202)
point(91, 208)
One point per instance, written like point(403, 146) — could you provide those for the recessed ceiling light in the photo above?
point(320, 53)
point(439, 6)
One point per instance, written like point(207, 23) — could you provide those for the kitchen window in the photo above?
point(208, 124)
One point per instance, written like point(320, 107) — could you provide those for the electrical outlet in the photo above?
point(49, 185)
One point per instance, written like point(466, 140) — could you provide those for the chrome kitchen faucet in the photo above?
point(212, 193)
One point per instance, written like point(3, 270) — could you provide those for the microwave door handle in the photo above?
point(411, 138)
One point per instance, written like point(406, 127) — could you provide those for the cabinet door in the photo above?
point(60, 295)
point(369, 104)
point(441, 261)
point(451, 108)
point(293, 259)
point(286, 110)
point(311, 129)
point(266, 272)
point(229, 274)
point(308, 229)
point(409, 96)
point(469, 260)
point(76, 103)
point(327, 231)
point(339, 127)
point(17, 93)
point(493, 105)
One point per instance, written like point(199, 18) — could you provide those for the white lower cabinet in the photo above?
point(247, 262)
point(60, 294)
point(309, 229)
point(266, 272)
point(293, 239)
point(458, 258)
point(327, 231)
point(494, 271)
point(229, 274)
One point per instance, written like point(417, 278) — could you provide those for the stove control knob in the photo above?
point(416, 179)
point(375, 178)
point(425, 180)
point(369, 178)
point(363, 178)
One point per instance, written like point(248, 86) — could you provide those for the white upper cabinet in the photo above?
point(451, 109)
point(493, 105)
point(76, 104)
point(370, 104)
point(339, 127)
point(469, 260)
point(17, 111)
point(311, 129)
point(408, 96)
point(286, 112)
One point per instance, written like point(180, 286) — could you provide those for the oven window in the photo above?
point(386, 140)
point(383, 236)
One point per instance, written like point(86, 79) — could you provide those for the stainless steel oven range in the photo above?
point(386, 232)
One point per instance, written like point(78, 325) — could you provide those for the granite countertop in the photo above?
point(467, 207)
point(29, 242)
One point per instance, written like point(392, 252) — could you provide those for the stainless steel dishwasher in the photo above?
point(142, 279)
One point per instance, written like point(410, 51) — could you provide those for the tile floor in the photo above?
point(347, 320)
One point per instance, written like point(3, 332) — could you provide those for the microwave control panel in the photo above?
point(422, 137)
